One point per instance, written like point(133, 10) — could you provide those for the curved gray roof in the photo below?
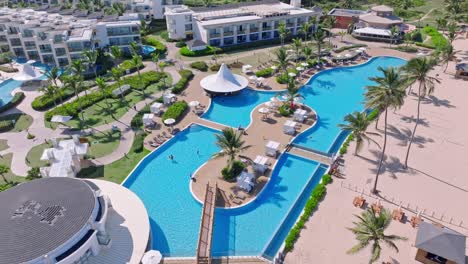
point(39, 216)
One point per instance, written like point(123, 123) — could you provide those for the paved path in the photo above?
point(19, 145)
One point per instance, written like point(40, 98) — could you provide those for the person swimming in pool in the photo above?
point(171, 157)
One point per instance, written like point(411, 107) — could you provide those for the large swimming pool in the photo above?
point(260, 227)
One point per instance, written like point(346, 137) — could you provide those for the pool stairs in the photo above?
point(312, 154)
point(205, 237)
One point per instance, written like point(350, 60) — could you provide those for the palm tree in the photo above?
point(406, 4)
point(307, 52)
point(305, 27)
point(357, 124)
point(101, 84)
point(134, 48)
point(72, 82)
point(292, 93)
point(330, 22)
point(118, 8)
point(52, 76)
point(417, 70)
point(282, 31)
point(50, 90)
point(342, 34)
point(117, 76)
point(447, 53)
point(371, 229)
point(144, 28)
point(137, 62)
point(231, 144)
point(155, 59)
point(297, 44)
point(441, 23)
point(4, 170)
point(282, 58)
point(115, 52)
point(77, 68)
point(388, 93)
point(452, 31)
point(348, 4)
point(91, 59)
point(318, 36)
point(394, 31)
point(454, 6)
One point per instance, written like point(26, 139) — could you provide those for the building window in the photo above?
point(74, 46)
point(27, 33)
point(228, 41)
point(45, 48)
point(15, 42)
point(188, 18)
point(3, 39)
point(63, 61)
point(266, 35)
point(60, 52)
point(254, 37)
point(188, 27)
point(30, 45)
point(241, 39)
point(33, 55)
point(119, 31)
point(215, 42)
point(12, 30)
point(48, 59)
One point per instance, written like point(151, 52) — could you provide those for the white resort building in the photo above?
point(377, 23)
point(71, 221)
point(234, 24)
point(57, 37)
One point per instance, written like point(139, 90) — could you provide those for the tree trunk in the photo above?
point(374, 190)
point(4, 178)
point(415, 126)
point(377, 122)
point(446, 66)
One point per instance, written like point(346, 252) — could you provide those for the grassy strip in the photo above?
point(317, 195)
point(349, 47)
point(15, 122)
point(185, 77)
point(45, 102)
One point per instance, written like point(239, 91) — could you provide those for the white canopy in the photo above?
point(246, 68)
point(122, 89)
point(60, 119)
point(155, 107)
point(224, 81)
point(373, 31)
point(194, 103)
point(292, 74)
point(148, 119)
point(152, 257)
point(28, 73)
point(169, 121)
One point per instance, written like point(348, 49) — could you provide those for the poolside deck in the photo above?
point(206, 225)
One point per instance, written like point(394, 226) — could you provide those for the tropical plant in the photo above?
point(417, 70)
point(77, 69)
point(330, 22)
point(307, 52)
point(137, 62)
point(454, 6)
point(406, 4)
point(348, 4)
point(73, 82)
point(304, 30)
point(52, 77)
point(357, 123)
point(4, 170)
point(33, 173)
point(387, 93)
point(441, 23)
point(292, 93)
point(91, 59)
point(452, 31)
point(297, 44)
point(370, 231)
point(101, 84)
point(115, 52)
point(50, 90)
point(447, 54)
point(282, 58)
point(318, 36)
point(231, 144)
point(118, 8)
point(117, 76)
point(342, 34)
point(144, 27)
point(283, 32)
point(155, 60)
point(394, 32)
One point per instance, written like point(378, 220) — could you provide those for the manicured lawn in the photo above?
point(3, 144)
point(22, 121)
point(6, 160)
point(100, 114)
point(118, 170)
point(34, 155)
point(102, 144)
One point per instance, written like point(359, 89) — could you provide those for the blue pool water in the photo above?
point(147, 49)
point(235, 110)
point(260, 227)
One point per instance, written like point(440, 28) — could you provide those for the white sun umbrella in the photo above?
point(291, 74)
point(274, 67)
point(194, 103)
point(300, 68)
point(305, 64)
point(169, 121)
point(362, 48)
point(359, 51)
point(264, 110)
point(253, 78)
point(152, 257)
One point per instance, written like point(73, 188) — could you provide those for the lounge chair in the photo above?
point(234, 199)
point(164, 134)
point(398, 215)
point(415, 221)
point(359, 201)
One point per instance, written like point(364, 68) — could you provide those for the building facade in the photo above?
point(57, 39)
point(345, 17)
point(377, 24)
point(240, 23)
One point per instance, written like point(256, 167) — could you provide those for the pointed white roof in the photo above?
point(28, 73)
point(224, 81)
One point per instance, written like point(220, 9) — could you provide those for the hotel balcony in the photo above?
point(290, 25)
point(215, 35)
point(266, 28)
point(228, 33)
point(252, 30)
point(241, 32)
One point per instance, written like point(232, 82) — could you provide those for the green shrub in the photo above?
point(175, 111)
point(285, 110)
point(45, 102)
point(137, 120)
point(349, 47)
point(6, 125)
point(344, 147)
point(8, 69)
point(416, 36)
point(215, 67)
point(30, 136)
point(137, 145)
point(264, 72)
point(16, 100)
point(4, 59)
point(164, 35)
point(33, 173)
point(438, 40)
point(127, 65)
point(73, 108)
point(230, 174)
point(424, 45)
point(153, 41)
point(282, 78)
point(180, 44)
point(317, 195)
point(210, 50)
point(409, 49)
point(199, 65)
point(186, 76)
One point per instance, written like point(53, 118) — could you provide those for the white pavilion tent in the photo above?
point(224, 82)
point(28, 73)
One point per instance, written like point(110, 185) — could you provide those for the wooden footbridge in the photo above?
point(205, 236)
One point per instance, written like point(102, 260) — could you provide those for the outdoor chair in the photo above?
point(398, 215)
point(415, 221)
point(359, 201)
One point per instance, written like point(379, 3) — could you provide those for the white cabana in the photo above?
point(148, 119)
point(224, 82)
point(247, 68)
point(304, 64)
point(60, 119)
point(156, 108)
point(271, 148)
point(169, 98)
point(122, 89)
point(260, 164)
point(300, 68)
point(245, 181)
point(27, 73)
point(289, 127)
point(291, 74)
point(300, 115)
point(274, 67)
point(64, 158)
point(151, 257)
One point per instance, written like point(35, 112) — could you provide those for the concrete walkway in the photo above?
point(19, 145)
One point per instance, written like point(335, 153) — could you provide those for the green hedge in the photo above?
point(185, 77)
point(185, 51)
point(344, 147)
point(427, 46)
point(199, 65)
point(128, 65)
point(17, 98)
point(6, 125)
point(349, 47)
point(45, 102)
point(437, 38)
point(264, 72)
point(409, 49)
point(153, 41)
point(73, 108)
point(175, 111)
point(230, 174)
point(317, 195)
point(137, 145)
point(8, 69)
point(180, 44)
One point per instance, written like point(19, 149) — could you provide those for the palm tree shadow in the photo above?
point(404, 136)
point(390, 164)
point(411, 119)
point(437, 102)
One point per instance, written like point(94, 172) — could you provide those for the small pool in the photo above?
point(235, 110)
point(146, 50)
